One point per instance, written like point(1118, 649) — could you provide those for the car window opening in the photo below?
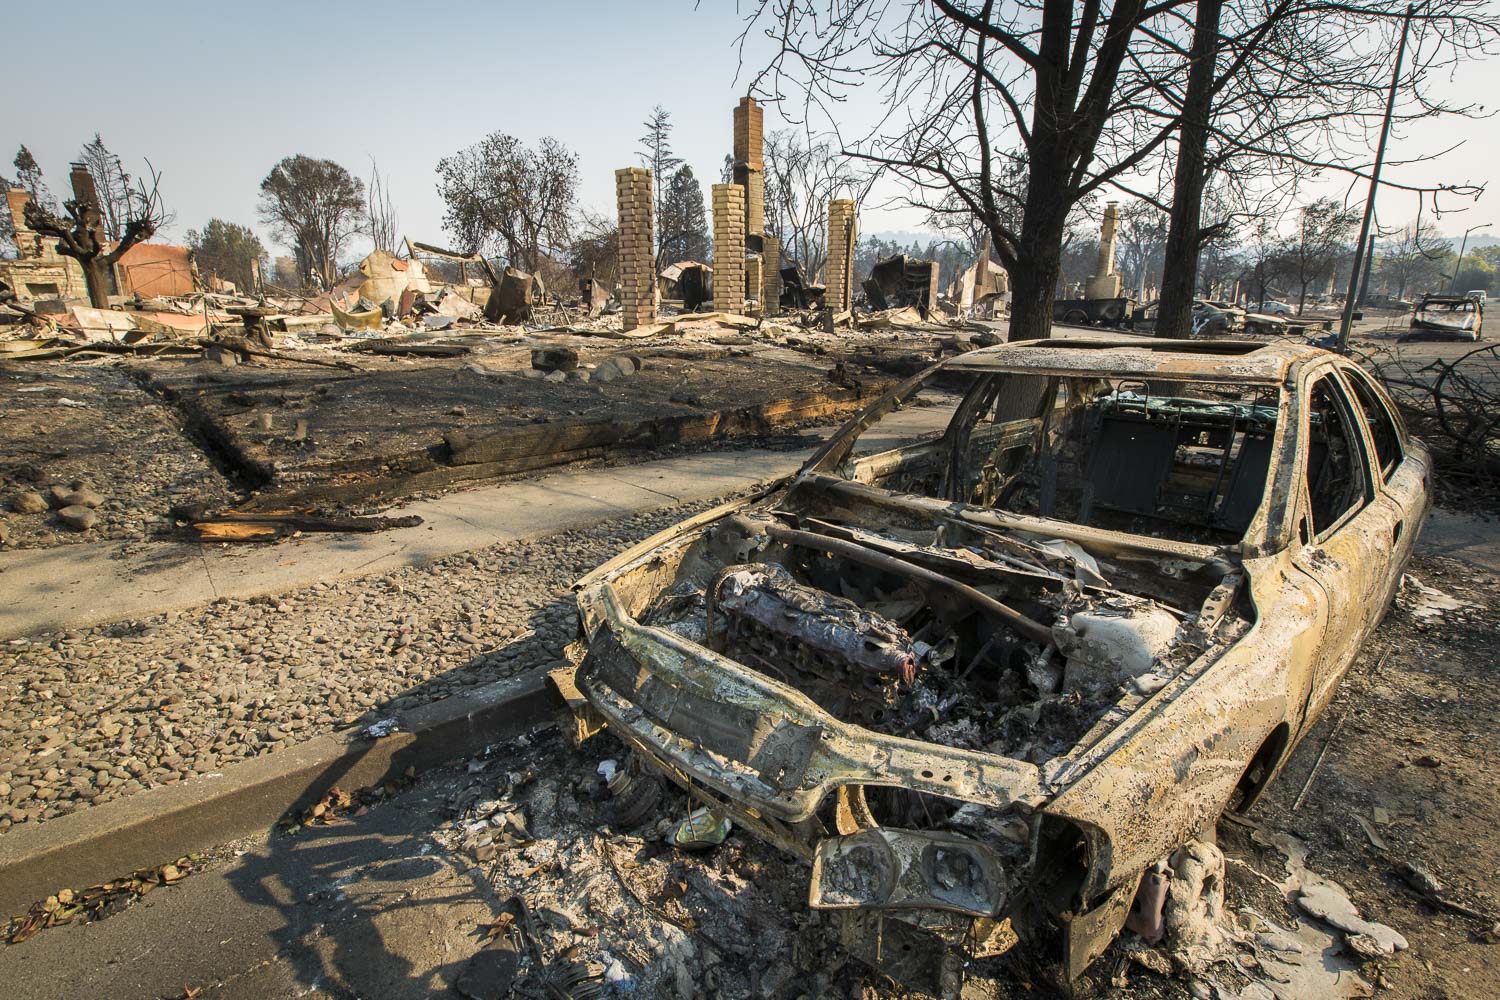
point(1182, 461)
point(1335, 474)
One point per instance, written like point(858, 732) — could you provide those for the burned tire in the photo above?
point(1076, 316)
point(1113, 312)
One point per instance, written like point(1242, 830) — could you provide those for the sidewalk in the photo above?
point(72, 586)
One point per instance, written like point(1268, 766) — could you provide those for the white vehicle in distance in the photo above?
point(1479, 293)
point(1273, 308)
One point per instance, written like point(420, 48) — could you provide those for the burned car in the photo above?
point(1457, 317)
point(984, 678)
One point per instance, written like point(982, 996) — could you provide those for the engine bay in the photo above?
point(957, 635)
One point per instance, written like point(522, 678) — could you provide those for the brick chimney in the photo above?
point(16, 200)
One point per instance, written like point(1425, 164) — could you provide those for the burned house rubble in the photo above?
point(965, 673)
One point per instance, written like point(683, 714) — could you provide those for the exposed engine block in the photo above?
point(851, 661)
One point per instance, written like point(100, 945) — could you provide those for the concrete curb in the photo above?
point(159, 825)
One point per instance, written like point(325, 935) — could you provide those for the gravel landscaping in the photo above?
point(94, 714)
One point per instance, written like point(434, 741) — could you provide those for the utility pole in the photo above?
point(1458, 265)
point(1364, 230)
point(1364, 285)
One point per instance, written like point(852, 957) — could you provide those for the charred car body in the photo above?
point(984, 680)
point(1459, 317)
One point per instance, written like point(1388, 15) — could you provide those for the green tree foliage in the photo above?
point(683, 223)
point(1474, 273)
point(228, 251)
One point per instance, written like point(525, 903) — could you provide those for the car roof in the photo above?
point(1246, 361)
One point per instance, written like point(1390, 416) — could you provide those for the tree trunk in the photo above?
point(1174, 316)
point(1033, 283)
point(96, 277)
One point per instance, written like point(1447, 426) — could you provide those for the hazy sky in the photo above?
point(215, 93)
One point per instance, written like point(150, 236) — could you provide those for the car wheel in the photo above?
point(1259, 771)
point(1076, 316)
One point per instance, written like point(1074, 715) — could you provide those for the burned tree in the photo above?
point(1267, 94)
point(1312, 252)
point(82, 234)
point(504, 198)
point(111, 183)
point(801, 179)
point(1418, 258)
point(29, 176)
point(381, 221)
point(313, 206)
point(977, 91)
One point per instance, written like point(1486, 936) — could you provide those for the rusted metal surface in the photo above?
point(1242, 361)
point(965, 712)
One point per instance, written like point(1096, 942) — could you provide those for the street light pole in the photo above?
point(1364, 230)
point(1462, 246)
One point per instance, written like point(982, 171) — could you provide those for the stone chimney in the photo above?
point(749, 162)
point(1105, 283)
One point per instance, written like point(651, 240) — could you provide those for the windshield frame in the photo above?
point(1264, 533)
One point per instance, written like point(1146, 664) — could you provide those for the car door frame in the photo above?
point(1343, 563)
point(1407, 489)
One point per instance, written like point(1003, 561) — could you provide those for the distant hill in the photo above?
point(1476, 240)
point(906, 237)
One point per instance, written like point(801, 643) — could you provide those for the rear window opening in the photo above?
point(1181, 461)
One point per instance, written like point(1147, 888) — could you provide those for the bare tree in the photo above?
point(1258, 261)
point(112, 184)
point(1315, 247)
point(382, 223)
point(595, 252)
point(313, 206)
point(503, 197)
point(1271, 92)
point(977, 90)
point(1419, 257)
point(656, 156)
point(1140, 243)
point(800, 180)
point(8, 248)
point(81, 234)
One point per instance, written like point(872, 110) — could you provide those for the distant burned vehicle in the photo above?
point(1457, 317)
point(983, 681)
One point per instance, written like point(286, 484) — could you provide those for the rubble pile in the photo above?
point(609, 901)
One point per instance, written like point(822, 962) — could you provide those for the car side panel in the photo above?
point(1167, 772)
